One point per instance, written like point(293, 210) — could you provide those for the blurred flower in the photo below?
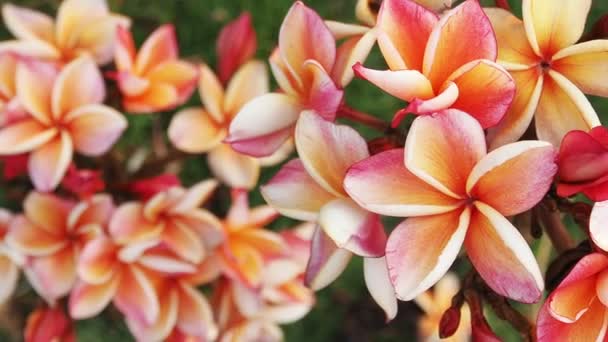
point(303, 66)
point(10, 260)
point(14, 166)
point(10, 108)
point(153, 79)
point(576, 309)
point(550, 70)
point(51, 233)
point(199, 130)
point(82, 27)
point(173, 217)
point(236, 44)
point(583, 164)
point(434, 303)
point(65, 114)
point(147, 188)
point(455, 199)
point(310, 189)
point(49, 324)
point(83, 182)
point(432, 69)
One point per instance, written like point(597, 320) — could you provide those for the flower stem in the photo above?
point(551, 220)
point(504, 4)
point(362, 118)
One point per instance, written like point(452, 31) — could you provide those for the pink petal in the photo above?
point(124, 52)
point(95, 128)
point(49, 163)
point(353, 51)
point(314, 136)
point(183, 76)
point(414, 265)
point(263, 124)
point(183, 241)
point(97, 261)
point(568, 303)
point(294, 193)
point(353, 228)
point(10, 275)
point(129, 225)
point(194, 315)
point(445, 53)
point(405, 27)
point(28, 238)
point(515, 177)
point(397, 192)
point(87, 300)
point(324, 95)
point(582, 157)
point(304, 36)
point(249, 82)
point(27, 24)
point(159, 47)
point(165, 262)
point(445, 99)
point(590, 327)
point(232, 168)
point(79, 83)
point(48, 212)
point(136, 297)
point(406, 85)
point(326, 262)
point(34, 85)
point(193, 130)
point(377, 280)
point(597, 225)
point(236, 44)
point(429, 150)
point(54, 275)
point(195, 196)
point(502, 256)
point(163, 325)
point(584, 64)
point(157, 97)
point(24, 136)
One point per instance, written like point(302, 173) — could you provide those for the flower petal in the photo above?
point(263, 124)
point(444, 52)
point(88, 300)
point(73, 15)
point(529, 85)
point(249, 82)
point(124, 51)
point(502, 256)
point(97, 261)
point(48, 164)
point(24, 136)
point(99, 36)
point(79, 83)
point(211, 92)
point(597, 225)
point(10, 277)
point(326, 262)
point(194, 315)
point(30, 239)
point(397, 192)
point(403, 84)
point(136, 297)
point(34, 86)
point(353, 228)
point(513, 46)
point(375, 271)
point(568, 303)
point(562, 107)
point(414, 265)
point(590, 327)
point(129, 225)
point(95, 128)
point(353, 51)
point(54, 275)
point(304, 36)
point(164, 324)
point(233, 168)
point(324, 96)
point(48, 212)
point(184, 242)
point(195, 196)
point(193, 130)
point(27, 24)
point(515, 177)
point(159, 47)
point(584, 64)
point(294, 193)
point(445, 99)
point(404, 29)
point(181, 75)
point(236, 44)
point(314, 136)
point(158, 97)
point(552, 26)
point(483, 79)
point(429, 150)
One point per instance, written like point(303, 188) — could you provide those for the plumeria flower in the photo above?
point(581, 164)
point(10, 109)
point(236, 44)
point(82, 27)
point(248, 244)
point(152, 79)
point(551, 71)
point(10, 260)
point(65, 115)
point(304, 65)
point(173, 217)
point(51, 233)
point(310, 189)
point(49, 324)
point(434, 303)
point(455, 199)
point(431, 68)
point(199, 130)
point(577, 309)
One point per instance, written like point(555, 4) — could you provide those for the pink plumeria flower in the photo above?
point(432, 69)
point(82, 27)
point(153, 79)
point(236, 44)
point(551, 70)
point(51, 233)
point(65, 115)
point(433, 303)
point(173, 217)
point(49, 324)
point(203, 129)
point(10, 260)
point(310, 189)
point(10, 109)
point(248, 244)
point(304, 65)
point(455, 199)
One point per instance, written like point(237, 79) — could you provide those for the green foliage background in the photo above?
point(344, 312)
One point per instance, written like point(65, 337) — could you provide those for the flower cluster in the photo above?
point(100, 225)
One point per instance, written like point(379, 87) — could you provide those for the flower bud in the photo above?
point(450, 320)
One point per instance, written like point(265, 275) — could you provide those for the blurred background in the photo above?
point(344, 311)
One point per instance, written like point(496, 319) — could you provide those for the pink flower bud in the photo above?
point(450, 320)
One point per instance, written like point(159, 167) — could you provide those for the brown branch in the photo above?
point(550, 219)
point(363, 118)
